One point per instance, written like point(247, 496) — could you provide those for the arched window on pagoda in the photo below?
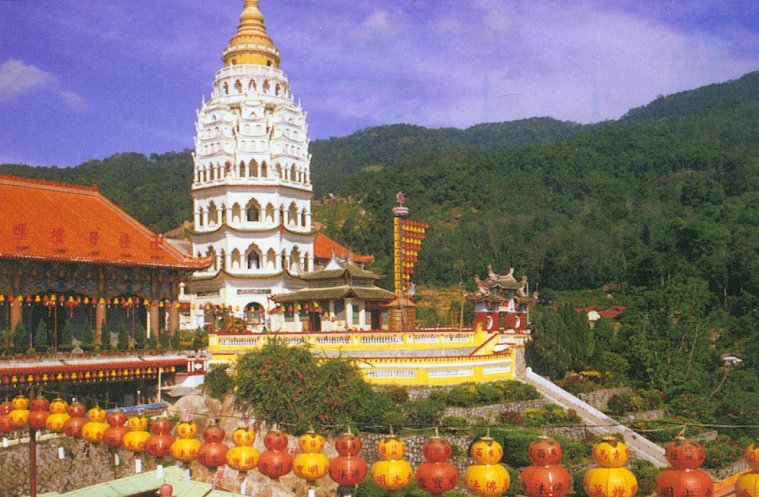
point(283, 260)
point(212, 253)
point(277, 89)
point(253, 168)
point(238, 86)
point(295, 260)
point(226, 88)
point(292, 173)
point(292, 214)
point(241, 170)
point(211, 173)
point(213, 213)
point(282, 215)
point(303, 218)
point(236, 213)
point(267, 86)
point(252, 85)
point(280, 173)
point(253, 257)
point(264, 170)
point(235, 259)
point(223, 259)
point(227, 169)
point(271, 260)
point(269, 213)
point(253, 211)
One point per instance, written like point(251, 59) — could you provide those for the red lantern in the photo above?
point(545, 478)
point(276, 461)
point(5, 422)
point(684, 478)
point(683, 454)
point(437, 475)
point(348, 468)
point(159, 443)
point(73, 426)
point(113, 436)
point(213, 453)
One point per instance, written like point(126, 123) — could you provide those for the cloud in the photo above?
point(17, 78)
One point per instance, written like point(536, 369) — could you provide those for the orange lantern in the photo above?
point(74, 424)
point(391, 472)
point(94, 430)
point(683, 454)
point(213, 453)
point(276, 461)
point(135, 440)
point(113, 436)
point(748, 483)
point(487, 478)
point(310, 464)
point(5, 422)
point(610, 479)
point(243, 456)
point(185, 448)
point(751, 455)
point(58, 415)
point(545, 478)
point(19, 415)
point(348, 469)
point(159, 443)
point(437, 474)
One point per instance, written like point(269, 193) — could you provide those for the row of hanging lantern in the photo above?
point(485, 478)
point(75, 301)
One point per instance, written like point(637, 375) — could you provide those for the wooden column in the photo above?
point(173, 318)
point(16, 312)
point(153, 316)
point(99, 319)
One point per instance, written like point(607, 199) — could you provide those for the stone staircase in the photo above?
point(598, 422)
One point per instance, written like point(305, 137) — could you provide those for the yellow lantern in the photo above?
point(93, 430)
point(243, 456)
point(610, 479)
point(185, 448)
point(748, 483)
point(134, 441)
point(58, 415)
point(391, 472)
point(310, 464)
point(487, 478)
point(19, 416)
point(751, 455)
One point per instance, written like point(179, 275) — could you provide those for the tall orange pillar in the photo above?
point(153, 316)
point(16, 314)
point(173, 318)
point(99, 320)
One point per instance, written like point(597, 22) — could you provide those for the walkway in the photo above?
point(598, 422)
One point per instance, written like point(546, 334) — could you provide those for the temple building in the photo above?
point(71, 255)
point(252, 185)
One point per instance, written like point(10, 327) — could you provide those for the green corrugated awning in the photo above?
point(334, 293)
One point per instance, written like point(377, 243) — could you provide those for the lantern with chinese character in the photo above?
point(73, 426)
point(391, 472)
point(19, 415)
point(546, 477)
point(610, 479)
point(748, 483)
point(348, 469)
point(185, 448)
point(310, 464)
point(39, 413)
point(159, 443)
point(94, 429)
point(213, 453)
point(138, 435)
point(58, 415)
point(684, 478)
point(113, 436)
point(487, 478)
point(437, 474)
point(276, 461)
point(243, 456)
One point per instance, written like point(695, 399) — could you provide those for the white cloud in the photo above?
point(17, 78)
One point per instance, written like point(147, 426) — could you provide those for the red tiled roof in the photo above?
point(324, 245)
point(43, 220)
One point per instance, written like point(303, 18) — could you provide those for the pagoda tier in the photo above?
point(501, 302)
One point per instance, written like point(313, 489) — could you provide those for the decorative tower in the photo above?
point(251, 188)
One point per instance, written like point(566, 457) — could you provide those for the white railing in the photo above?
point(392, 373)
point(450, 373)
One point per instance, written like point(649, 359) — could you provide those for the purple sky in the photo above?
point(83, 79)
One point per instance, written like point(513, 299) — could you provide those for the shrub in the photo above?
point(721, 452)
point(67, 336)
point(218, 382)
point(140, 336)
point(423, 413)
point(511, 418)
point(151, 343)
point(516, 391)
point(440, 394)
point(20, 338)
point(620, 403)
point(462, 396)
point(489, 394)
point(200, 339)
point(550, 414)
point(397, 394)
point(175, 340)
point(454, 424)
point(163, 341)
point(645, 473)
point(88, 337)
point(575, 451)
point(122, 339)
point(515, 442)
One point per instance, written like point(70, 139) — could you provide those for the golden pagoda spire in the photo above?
point(251, 44)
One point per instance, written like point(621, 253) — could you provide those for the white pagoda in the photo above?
point(251, 189)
